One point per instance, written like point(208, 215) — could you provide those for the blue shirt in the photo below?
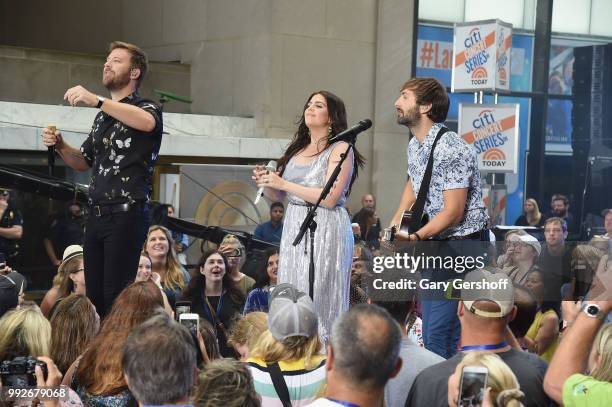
point(455, 167)
point(269, 233)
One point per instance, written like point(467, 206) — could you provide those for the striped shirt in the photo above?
point(303, 384)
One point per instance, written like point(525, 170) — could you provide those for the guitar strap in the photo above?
point(419, 204)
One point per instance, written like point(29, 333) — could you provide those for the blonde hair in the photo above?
point(505, 389)
point(24, 332)
point(603, 350)
point(231, 240)
point(533, 218)
point(225, 382)
point(248, 329)
point(173, 278)
point(292, 348)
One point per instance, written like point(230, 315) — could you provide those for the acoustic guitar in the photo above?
point(409, 224)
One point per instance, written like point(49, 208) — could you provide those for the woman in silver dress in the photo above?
point(303, 170)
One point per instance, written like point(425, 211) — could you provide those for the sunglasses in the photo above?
point(235, 253)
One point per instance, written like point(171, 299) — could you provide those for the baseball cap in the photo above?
point(70, 252)
point(291, 313)
point(482, 285)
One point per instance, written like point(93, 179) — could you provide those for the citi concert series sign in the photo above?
point(481, 52)
point(493, 131)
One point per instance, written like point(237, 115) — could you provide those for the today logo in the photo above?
point(479, 76)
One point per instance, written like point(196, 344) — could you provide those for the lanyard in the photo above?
point(343, 403)
point(209, 308)
point(485, 347)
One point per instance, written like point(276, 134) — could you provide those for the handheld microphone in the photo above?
point(51, 154)
point(272, 168)
point(352, 132)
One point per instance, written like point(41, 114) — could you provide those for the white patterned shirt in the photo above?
point(455, 166)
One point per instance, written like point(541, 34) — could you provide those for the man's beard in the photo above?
point(116, 81)
point(410, 119)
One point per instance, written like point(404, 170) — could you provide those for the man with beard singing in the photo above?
point(453, 202)
point(121, 151)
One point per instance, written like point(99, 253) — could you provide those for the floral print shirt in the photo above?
point(455, 166)
point(122, 158)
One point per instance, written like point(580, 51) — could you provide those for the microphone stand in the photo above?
point(309, 222)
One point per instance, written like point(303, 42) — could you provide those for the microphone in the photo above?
point(272, 168)
point(352, 132)
point(51, 154)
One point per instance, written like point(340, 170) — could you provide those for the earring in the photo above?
point(329, 131)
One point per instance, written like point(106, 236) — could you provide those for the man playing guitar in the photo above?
point(453, 201)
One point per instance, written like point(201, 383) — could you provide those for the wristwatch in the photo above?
point(101, 100)
point(593, 311)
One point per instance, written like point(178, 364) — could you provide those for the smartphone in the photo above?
point(191, 321)
point(473, 385)
point(182, 307)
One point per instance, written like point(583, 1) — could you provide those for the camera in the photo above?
point(19, 372)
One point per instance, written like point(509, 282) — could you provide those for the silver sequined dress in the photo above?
point(333, 246)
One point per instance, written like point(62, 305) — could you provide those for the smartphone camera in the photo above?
point(473, 385)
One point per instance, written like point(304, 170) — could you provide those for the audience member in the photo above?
point(566, 381)
point(505, 259)
point(607, 214)
point(531, 214)
point(159, 362)
point(246, 332)
point(145, 267)
point(11, 228)
point(559, 208)
point(227, 383)
point(555, 259)
point(524, 250)
point(66, 230)
point(9, 296)
point(414, 358)
point(267, 276)
point(368, 226)
point(484, 316)
point(235, 252)
point(214, 296)
point(369, 202)
point(272, 230)
point(74, 325)
point(159, 245)
point(526, 309)
point(502, 389)
point(361, 270)
point(70, 278)
point(286, 363)
point(584, 262)
point(362, 356)
point(542, 338)
point(97, 376)
point(24, 332)
point(209, 336)
point(181, 240)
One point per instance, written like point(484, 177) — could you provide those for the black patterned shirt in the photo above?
point(122, 158)
point(455, 167)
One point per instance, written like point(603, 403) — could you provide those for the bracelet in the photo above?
point(417, 236)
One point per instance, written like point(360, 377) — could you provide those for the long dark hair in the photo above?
point(337, 115)
point(197, 284)
point(262, 278)
point(365, 219)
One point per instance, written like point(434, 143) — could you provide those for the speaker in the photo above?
point(591, 128)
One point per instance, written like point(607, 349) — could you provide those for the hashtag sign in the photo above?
point(426, 54)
